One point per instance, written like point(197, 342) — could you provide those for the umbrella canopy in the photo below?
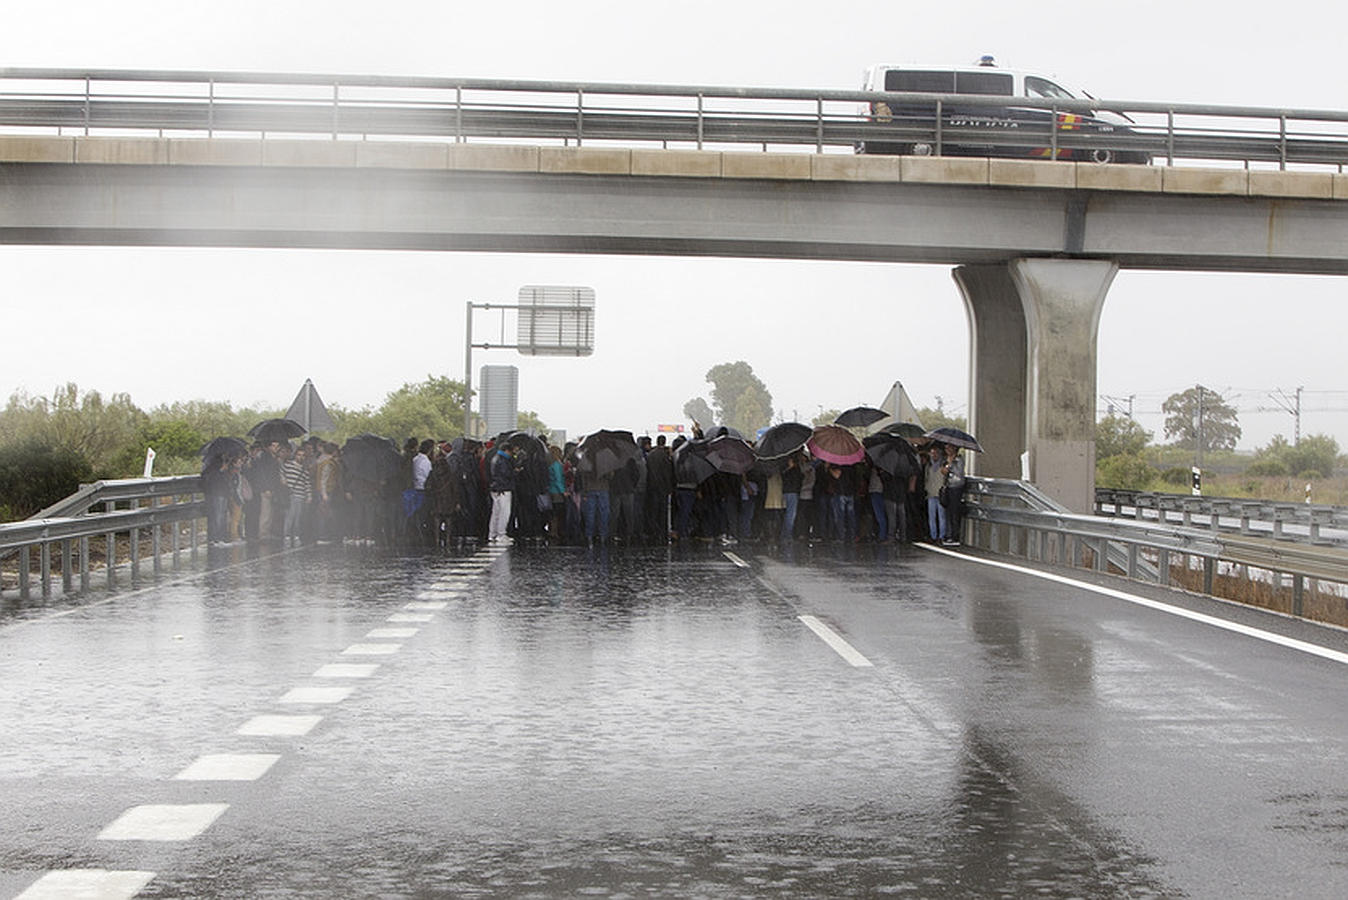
point(727, 454)
point(526, 444)
point(217, 449)
point(835, 444)
point(370, 457)
point(893, 454)
point(860, 417)
point(950, 435)
point(722, 431)
point(605, 452)
point(783, 439)
point(690, 465)
point(269, 430)
point(905, 429)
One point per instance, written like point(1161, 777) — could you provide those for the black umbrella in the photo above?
point(220, 448)
point(604, 452)
point(950, 435)
point(905, 429)
point(722, 431)
point(370, 457)
point(860, 417)
point(691, 466)
point(527, 444)
point(727, 454)
point(783, 439)
point(892, 454)
point(269, 430)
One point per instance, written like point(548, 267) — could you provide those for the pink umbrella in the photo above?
point(835, 444)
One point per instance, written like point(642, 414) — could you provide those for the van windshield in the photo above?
point(1042, 87)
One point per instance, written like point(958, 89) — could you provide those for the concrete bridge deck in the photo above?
point(339, 721)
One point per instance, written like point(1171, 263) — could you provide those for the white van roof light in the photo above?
point(986, 60)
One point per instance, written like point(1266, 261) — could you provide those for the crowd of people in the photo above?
point(440, 493)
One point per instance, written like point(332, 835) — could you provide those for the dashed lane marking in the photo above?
point(391, 633)
point(229, 767)
point(834, 640)
point(347, 670)
point(163, 822)
point(317, 695)
point(279, 726)
point(87, 884)
point(1248, 631)
point(426, 605)
point(372, 649)
point(735, 559)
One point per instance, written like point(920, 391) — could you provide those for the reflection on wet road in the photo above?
point(341, 722)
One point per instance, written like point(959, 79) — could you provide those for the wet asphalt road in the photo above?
point(663, 723)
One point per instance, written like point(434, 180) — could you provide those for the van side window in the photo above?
point(920, 82)
point(992, 83)
point(1042, 87)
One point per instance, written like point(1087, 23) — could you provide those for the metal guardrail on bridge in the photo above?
point(1299, 579)
point(1283, 521)
point(158, 506)
point(222, 104)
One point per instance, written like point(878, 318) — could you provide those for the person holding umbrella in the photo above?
point(953, 495)
point(502, 488)
point(933, 479)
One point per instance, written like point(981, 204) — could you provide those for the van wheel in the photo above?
point(921, 149)
point(1103, 156)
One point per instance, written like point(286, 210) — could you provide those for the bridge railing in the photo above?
point(161, 516)
point(1283, 521)
point(225, 104)
point(1299, 579)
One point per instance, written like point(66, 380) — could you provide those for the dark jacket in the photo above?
point(502, 473)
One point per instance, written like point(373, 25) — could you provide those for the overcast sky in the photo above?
point(820, 335)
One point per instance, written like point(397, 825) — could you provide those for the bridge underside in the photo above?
point(562, 213)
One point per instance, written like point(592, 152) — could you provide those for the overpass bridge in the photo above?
point(227, 159)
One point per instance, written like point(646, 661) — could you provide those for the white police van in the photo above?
point(971, 129)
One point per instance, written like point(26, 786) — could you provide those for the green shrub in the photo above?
point(1125, 471)
point(1267, 468)
point(1177, 475)
point(34, 475)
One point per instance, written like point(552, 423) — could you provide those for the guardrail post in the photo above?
point(699, 122)
point(1209, 574)
point(1102, 556)
point(1053, 139)
point(1163, 567)
point(458, 114)
point(156, 532)
point(135, 554)
point(110, 557)
point(580, 117)
point(1170, 137)
point(939, 148)
point(1282, 144)
point(819, 125)
point(1132, 561)
point(194, 537)
point(67, 567)
point(84, 563)
point(25, 562)
point(44, 561)
point(1298, 594)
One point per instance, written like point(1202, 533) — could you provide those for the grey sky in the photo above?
point(389, 317)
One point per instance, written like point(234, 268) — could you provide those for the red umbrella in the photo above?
point(835, 444)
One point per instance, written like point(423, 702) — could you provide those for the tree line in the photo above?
point(1201, 425)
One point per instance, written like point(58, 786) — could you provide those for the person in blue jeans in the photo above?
point(933, 478)
point(595, 507)
point(792, 477)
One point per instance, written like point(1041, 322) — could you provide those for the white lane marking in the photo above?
point(163, 822)
point(372, 649)
point(441, 594)
point(279, 726)
point(87, 884)
point(1248, 631)
point(347, 670)
point(317, 695)
point(228, 767)
point(834, 640)
point(386, 633)
point(410, 617)
point(735, 559)
point(426, 605)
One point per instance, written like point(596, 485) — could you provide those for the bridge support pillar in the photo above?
point(997, 366)
point(1033, 327)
